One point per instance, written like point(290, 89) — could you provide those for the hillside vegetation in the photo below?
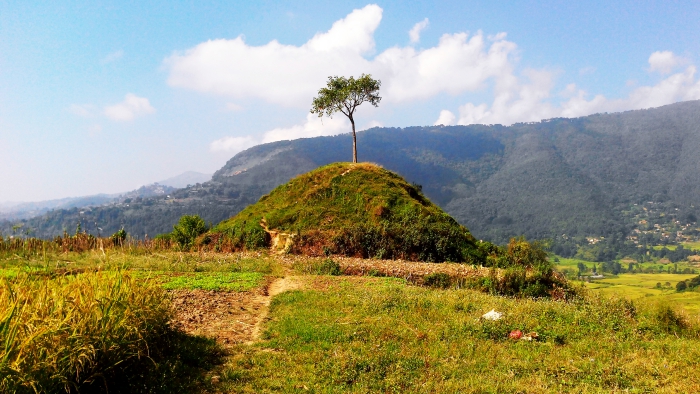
point(602, 177)
point(349, 209)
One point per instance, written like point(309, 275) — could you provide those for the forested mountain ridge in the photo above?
point(559, 178)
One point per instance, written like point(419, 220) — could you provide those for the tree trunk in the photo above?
point(354, 142)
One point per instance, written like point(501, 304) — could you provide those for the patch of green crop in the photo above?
point(229, 281)
point(659, 287)
point(692, 245)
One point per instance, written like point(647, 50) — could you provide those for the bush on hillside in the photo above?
point(187, 229)
point(525, 270)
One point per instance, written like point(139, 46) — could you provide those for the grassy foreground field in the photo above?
point(290, 330)
point(382, 335)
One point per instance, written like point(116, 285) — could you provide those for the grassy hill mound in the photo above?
point(348, 209)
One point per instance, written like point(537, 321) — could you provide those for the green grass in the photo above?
point(636, 286)
point(341, 334)
point(162, 261)
point(570, 265)
point(646, 280)
point(669, 247)
point(695, 245)
point(349, 209)
point(382, 335)
point(228, 281)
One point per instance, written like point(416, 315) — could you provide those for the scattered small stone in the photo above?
point(530, 337)
point(492, 315)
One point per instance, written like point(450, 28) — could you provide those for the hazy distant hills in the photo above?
point(546, 179)
point(25, 210)
point(18, 211)
point(185, 179)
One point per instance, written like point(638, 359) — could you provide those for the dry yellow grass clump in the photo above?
point(63, 334)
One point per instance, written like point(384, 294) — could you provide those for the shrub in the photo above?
point(187, 229)
point(681, 286)
point(438, 280)
point(669, 320)
point(119, 237)
point(328, 267)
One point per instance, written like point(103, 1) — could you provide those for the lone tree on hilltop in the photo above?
point(345, 95)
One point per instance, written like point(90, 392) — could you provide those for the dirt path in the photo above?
point(278, 286)
point(230, 317)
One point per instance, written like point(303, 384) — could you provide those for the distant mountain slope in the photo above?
point(555, 178)
point(185, 179)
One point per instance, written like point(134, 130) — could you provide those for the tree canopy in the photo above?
point(345, 95)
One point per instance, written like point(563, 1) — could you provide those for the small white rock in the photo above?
point(492, 315)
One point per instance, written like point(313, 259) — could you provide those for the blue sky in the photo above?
point(107, 96)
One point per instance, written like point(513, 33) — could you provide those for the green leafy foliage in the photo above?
point(344, 95)
point(187, 229)
point(119, 237)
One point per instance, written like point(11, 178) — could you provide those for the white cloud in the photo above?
point(457, 64)
point(446, 118)
point(414, 33)
point(518, 101)
point(232, 144)
point(371, 124)
point(131, 107)
point(283, 74)
point(312, 127)
point(291, 75)
point(664, 62)
point(116, 55)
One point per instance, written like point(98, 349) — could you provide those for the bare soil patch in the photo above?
point(229, 317)
point(413, 272)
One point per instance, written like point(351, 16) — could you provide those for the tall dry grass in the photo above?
point(80, 242)
point(64, 334)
